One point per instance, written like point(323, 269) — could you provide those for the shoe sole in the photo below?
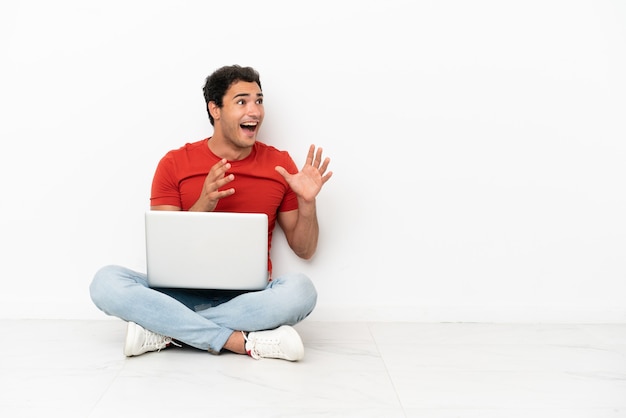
point(131, 331)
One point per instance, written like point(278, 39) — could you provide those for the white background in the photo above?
point(478, 146)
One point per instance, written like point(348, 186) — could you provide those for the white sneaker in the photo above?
point(139, 340)
point(282, 342)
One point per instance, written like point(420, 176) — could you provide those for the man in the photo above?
point(231, 172)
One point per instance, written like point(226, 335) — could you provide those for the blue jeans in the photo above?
point(204, 319)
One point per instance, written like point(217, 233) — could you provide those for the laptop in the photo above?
point(206, 250)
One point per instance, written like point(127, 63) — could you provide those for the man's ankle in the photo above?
point(236, 343)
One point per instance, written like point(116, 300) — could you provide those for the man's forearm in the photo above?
point(306, 232)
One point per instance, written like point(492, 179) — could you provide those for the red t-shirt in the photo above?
point(259, 188)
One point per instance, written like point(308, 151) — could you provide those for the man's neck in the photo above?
point(226, 149)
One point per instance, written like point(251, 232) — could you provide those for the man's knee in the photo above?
point(302, 294)
point(100, 288)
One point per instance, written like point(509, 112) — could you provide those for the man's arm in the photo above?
point(300, 226)
point(164, 207)
point(301, 230)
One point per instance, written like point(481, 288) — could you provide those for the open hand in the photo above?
point(309, 181)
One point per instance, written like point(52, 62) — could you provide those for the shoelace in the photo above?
point(158, 341)
point(265, 346)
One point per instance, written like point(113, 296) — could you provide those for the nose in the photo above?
point(255, 109)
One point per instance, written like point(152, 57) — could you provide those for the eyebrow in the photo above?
point(246, 95)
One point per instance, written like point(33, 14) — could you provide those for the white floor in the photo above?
point(387, 370)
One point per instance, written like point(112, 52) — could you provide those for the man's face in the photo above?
point(241, 115)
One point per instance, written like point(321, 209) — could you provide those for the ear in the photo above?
point(214, 110)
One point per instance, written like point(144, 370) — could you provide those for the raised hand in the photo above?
point(308, 182)
point(215, 180)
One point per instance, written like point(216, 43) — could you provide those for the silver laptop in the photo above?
point(206, 250)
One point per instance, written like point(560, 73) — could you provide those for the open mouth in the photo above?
point(249, 126)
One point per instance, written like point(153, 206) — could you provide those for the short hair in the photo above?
point(220, 80)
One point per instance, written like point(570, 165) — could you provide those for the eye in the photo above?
point(241, 101)
point(259, 101)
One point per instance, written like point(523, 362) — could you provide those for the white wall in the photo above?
point(478, 146)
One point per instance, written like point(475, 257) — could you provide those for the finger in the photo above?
point(324, 166)
point(220, 168)
point(220, 164)
point(309, 157)
point(318, 157)
point(223, 193)
point(282, 171)
point(224, 181)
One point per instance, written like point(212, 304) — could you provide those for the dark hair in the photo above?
point(217, 83)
